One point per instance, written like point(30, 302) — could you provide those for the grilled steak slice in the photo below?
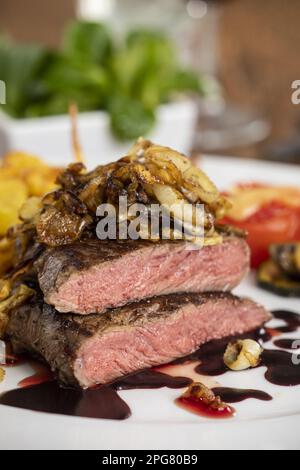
point(97, 349)
point(91, 277)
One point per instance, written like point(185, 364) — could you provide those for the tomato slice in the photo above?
point(273, 223)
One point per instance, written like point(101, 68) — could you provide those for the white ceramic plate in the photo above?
point(156, 423)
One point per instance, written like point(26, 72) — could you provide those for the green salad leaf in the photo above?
point(20, 68)
point(129, 118)
point(88, 43)
point(129, 79)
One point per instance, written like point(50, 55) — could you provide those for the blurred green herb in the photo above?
point(128, 80)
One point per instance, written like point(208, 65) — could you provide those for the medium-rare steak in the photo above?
point(94, 276)
point(97, 349)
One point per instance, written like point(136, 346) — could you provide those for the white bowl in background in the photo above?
point(50, 137)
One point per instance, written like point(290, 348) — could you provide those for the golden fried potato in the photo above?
point(8, 173)
point(22, 161)
point(39, 177)
point(38, 184)
point(13, 193)
point(21, 176)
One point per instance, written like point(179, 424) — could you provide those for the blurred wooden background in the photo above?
point(259, 59)
point(36, 20)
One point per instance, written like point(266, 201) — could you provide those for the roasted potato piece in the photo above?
point(39, 177)
point(21, 176)
point(13, 193)
point(21, 161)
point(38, 184)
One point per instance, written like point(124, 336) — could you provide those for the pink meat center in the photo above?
point(150, 272)
point(102, 359)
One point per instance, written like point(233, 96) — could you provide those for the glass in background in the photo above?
point(173, 17)
point(194, 27)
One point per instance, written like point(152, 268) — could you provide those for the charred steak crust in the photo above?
point(38, 329)
point(125, 272)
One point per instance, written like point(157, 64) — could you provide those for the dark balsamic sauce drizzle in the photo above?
point(291, 319)
point(236, 395)
point(40, 392)
point(281, 369)
point(151, 379)
point(211, 355)
point(49, 397)
point(287, 343)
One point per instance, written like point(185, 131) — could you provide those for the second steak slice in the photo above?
point(94, 276)
point(99, 349)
